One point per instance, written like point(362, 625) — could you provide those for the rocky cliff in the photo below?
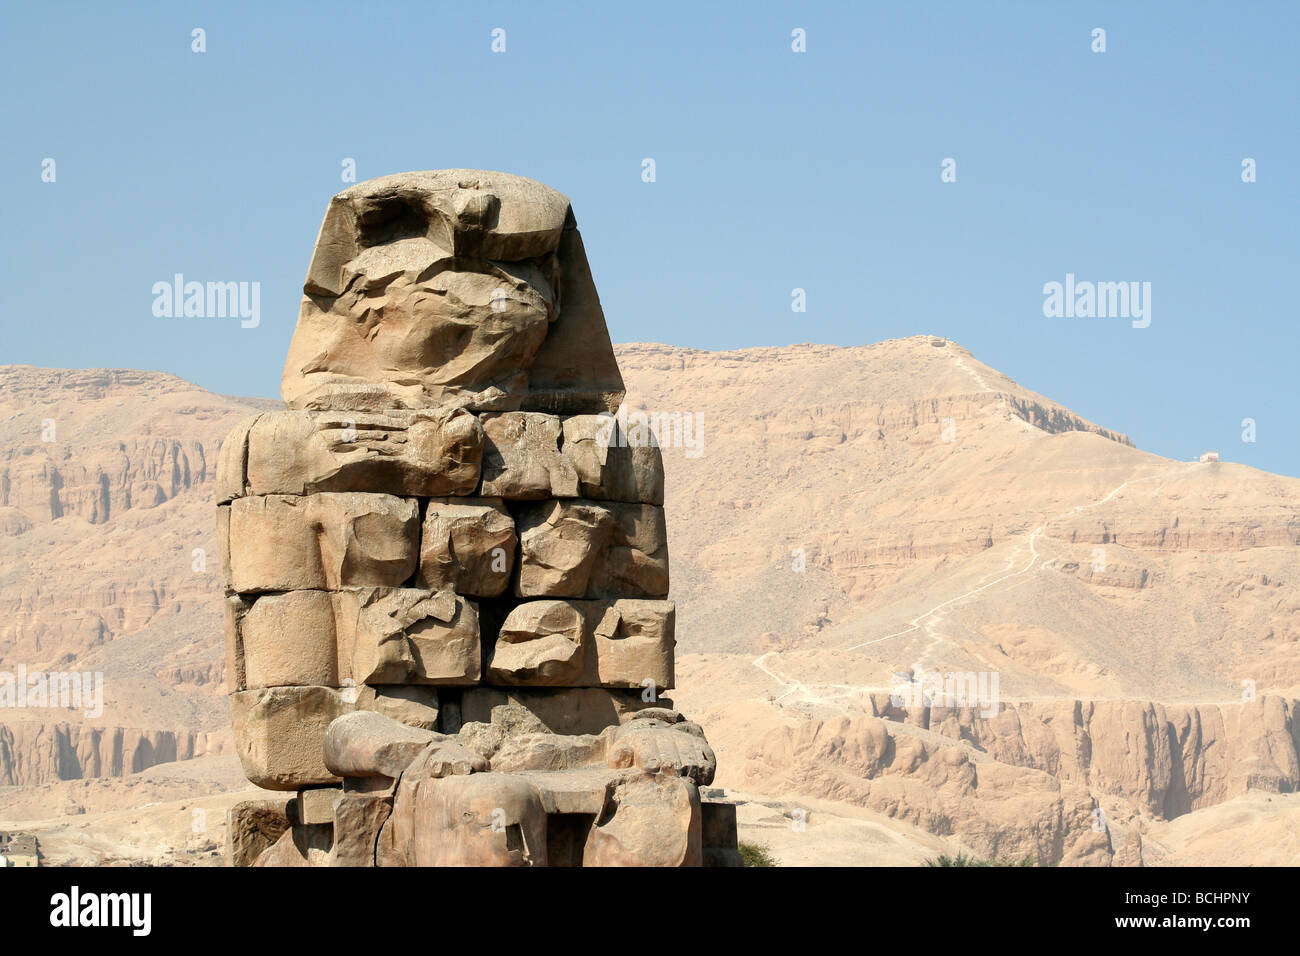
point(836, 516)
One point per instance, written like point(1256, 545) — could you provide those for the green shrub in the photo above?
point(754, 854)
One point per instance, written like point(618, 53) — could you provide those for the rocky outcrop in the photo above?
point(1032, 779)
point(97, 482)
point(33, 753)
point(1165, 759)
point(1000, 811)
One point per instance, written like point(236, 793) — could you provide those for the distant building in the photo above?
point(19, 849)
point(1210, 456)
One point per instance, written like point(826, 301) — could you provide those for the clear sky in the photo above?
point(775, 170)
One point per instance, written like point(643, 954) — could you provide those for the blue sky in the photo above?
point(775, 170)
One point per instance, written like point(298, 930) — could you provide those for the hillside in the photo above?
point(841, 515)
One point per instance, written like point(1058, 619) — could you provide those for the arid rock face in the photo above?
point(838, 451)
point(443, 512)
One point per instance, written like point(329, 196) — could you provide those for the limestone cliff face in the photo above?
point(94, 443)
point(33, 753)
point(999, 810)
point(1166, 759)
point(99, 482)
point(1030, 779)
point(908, 476)
point(108, 565)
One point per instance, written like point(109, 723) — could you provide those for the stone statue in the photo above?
point(446, 572)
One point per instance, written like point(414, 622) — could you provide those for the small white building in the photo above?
point(1210, 456)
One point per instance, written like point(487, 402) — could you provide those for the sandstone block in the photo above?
point(541, 643)
point(358, 818)
point(480, 819)
point(324, 541)
point(567, 710)
point(633, 640)
point(280, 734)
point(223, 544)
point(316, 804)
point(467, 545)
point(252, 826)
point(655, 822)
point(608, 465)
point(301, 845)
point(415, 705)
point(288, 640)
point(583, 548)
point(637, 562)
point(235, 607)
point(522, 457)
point(561, 543)
point(232, 462)
point(626, 642)
point(408, 636)
point(424, 452)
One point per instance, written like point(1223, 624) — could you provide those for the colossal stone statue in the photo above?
point(446, 573)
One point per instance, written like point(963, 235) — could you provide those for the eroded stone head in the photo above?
point(457, 288)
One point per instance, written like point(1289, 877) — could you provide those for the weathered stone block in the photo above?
point(560, 710)
point(301, 845)
point(655, 822)
point(600, 643)
point(467, 545)
point(582, 548)
point(408, 636)
point(324, 541)
point(541, 643)
point(223, 544)
point(480, 819)
point(405, 452)
point(637, 562)
point(522, 457)
point(561, 542)
point(611, 467)
point(415, 705)
point(232, 461)
point(235, 607)
point(288, 640)
point(358, 818)
point(252, 826)
point(316, 804)
point(633, 641)
point(280, 733)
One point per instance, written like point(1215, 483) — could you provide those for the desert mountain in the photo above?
point(837, 516)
